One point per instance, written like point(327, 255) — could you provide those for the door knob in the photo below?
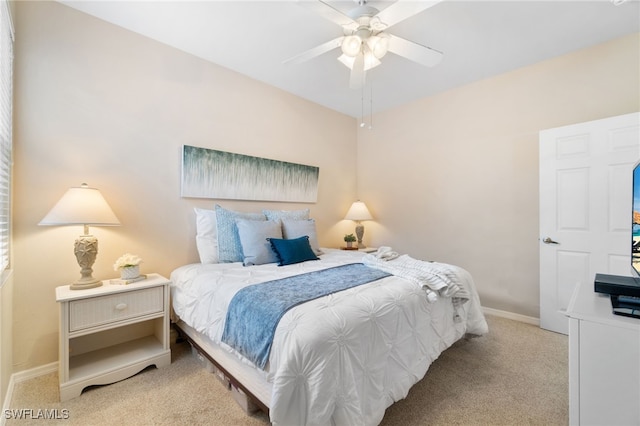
point(548, 240)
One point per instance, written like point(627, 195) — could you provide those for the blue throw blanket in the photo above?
point(254, 311)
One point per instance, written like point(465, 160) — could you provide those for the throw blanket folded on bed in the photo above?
point(254, 311)
point(437, 279)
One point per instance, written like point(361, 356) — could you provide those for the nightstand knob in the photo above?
point(121, 306)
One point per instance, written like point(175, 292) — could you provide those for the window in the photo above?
point(6, 119)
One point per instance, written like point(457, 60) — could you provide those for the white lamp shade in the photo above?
point(351, 45)
point(358, 211)
point(347, 61)
point(81, 206)
point(379, 45)
point(370, 61)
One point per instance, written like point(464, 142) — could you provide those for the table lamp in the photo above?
point(83, 206)
point(359, 212)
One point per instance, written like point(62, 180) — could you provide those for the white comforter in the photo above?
point(341, 359)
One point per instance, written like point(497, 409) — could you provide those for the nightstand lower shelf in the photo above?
point(114, 363)
point(112, 358)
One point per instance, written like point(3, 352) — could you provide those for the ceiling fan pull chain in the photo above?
point(371, 102)
point(362, 107)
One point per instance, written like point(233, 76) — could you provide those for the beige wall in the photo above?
point(99, 104)
point(454, 177)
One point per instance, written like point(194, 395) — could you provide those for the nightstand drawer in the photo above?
point(95, 311)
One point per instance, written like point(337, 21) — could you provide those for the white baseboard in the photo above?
point(22, 376)
point(512, 316)
point(32, 373)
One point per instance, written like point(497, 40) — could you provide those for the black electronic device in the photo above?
point(617, 285)
point(628, 306)
point(624, 293)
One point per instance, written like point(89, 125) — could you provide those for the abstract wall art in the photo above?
point(208, 173)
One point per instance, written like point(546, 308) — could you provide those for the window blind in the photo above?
point(6, 119)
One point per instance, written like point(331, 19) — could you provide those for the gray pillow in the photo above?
point(286, 214)
point(299, 228)
point(254, 235)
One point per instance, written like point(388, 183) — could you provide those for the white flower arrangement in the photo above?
point(127, 260)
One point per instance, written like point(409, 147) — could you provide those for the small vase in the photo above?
point(349, 244)
point(130, 272)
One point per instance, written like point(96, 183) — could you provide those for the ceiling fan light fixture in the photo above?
point(378, 45)
point(351, 45)
point(370, 61)
point(347, 61)
point(376, 24)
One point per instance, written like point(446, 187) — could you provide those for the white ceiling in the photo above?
point(479, 39)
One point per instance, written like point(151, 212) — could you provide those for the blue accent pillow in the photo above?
point(229, 245)
point(292, 251)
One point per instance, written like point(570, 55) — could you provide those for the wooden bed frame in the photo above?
point(244, 377)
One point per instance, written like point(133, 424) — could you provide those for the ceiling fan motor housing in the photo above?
point(362, 11)
point(364, 32)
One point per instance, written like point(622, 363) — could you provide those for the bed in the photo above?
point(341, 358)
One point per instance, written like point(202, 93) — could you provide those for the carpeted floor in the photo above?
point(515, 375)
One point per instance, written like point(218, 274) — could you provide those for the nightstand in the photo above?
point(112, 332)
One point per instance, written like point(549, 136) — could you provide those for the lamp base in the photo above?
point(360, 234)
point(86, 250)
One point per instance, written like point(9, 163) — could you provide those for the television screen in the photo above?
point(635, 226)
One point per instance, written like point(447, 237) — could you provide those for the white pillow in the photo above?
point(206, 235)
point(256, 249)
point(298, 228)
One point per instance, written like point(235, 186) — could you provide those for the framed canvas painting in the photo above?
point(209, 173)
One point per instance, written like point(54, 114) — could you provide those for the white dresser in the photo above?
point(112, 332)
point(604, 362)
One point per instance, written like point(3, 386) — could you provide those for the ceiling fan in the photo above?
point(366, 40)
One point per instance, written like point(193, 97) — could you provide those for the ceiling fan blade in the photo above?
point(415, 52)
point(356, 79)
point(327, 11)
point(403, 9)
point(316, 51)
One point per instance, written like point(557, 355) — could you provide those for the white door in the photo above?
point(585, 208)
